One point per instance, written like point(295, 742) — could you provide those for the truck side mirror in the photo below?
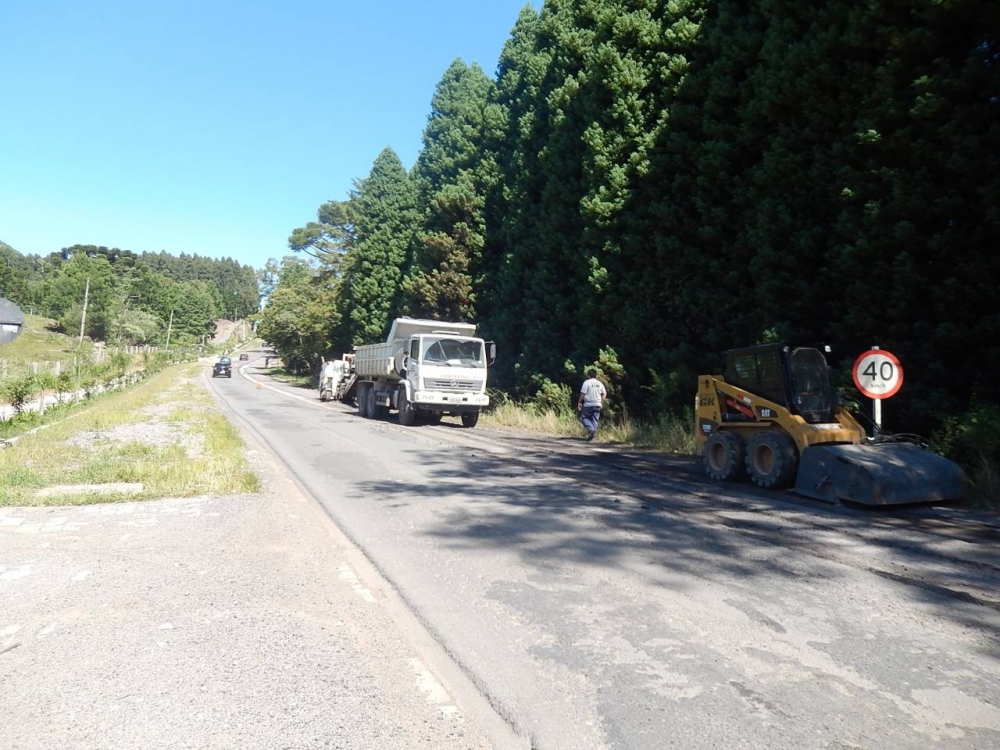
point(491, 352)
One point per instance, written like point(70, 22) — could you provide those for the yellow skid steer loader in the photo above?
point(772, 416)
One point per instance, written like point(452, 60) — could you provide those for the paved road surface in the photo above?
point(242, 622)
point(602, 598)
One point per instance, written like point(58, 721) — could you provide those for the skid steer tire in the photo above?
point(723, 457)
point(771, 460)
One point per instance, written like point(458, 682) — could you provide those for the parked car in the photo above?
point(244, 357)
point(223, 368)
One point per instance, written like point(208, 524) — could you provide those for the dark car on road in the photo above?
point(223, 368)
point(244, 357)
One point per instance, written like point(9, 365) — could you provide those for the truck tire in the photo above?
point(363, 392)
point(370, 407)
point(470, 418)
point(771, 460)
point(407, 411)
point(724, 455)
point(379, 411)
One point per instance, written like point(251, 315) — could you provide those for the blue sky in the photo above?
point(214, 127)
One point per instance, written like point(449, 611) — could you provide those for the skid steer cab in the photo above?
point(772, 418)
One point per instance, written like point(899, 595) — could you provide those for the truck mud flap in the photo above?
point(883, 474)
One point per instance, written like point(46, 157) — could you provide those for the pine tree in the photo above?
point(386, 223)
point(448, 250)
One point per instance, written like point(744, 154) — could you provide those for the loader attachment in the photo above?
point(878, 474)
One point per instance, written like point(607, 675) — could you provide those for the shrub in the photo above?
point(972, 441)
point(549, 396)
point(19, 391)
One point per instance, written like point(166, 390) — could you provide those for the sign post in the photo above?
point(878, 375)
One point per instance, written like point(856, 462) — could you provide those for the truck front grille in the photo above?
point(454, 385)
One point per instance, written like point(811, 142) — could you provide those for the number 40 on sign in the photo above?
point(878, 374)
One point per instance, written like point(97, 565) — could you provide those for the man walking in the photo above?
point(592, 395)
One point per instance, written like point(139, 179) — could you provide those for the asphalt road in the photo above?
point(598, 597)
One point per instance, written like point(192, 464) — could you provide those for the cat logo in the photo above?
point(766, 413)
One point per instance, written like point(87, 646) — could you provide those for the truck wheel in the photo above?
point(723, 456)
point(379, 411)
point(370, 409)
point(771, 460)
point(407, 411)
point(470, 418)
point(363, 402)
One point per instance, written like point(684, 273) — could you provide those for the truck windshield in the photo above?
point(452, 351)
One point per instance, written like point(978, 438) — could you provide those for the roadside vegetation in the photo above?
point(163, 436)
point(557, 416)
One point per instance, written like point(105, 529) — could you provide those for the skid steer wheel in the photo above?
point(771, 460)
point(723, 457)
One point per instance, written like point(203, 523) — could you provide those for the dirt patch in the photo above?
point(155, 433)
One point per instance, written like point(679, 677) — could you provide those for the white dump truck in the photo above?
point(425, 369)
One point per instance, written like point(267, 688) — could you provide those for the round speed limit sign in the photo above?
point(878, 374)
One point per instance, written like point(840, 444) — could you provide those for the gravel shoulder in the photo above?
point(210, 622)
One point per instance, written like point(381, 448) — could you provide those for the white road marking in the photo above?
point(344, 573)
point(432, 689)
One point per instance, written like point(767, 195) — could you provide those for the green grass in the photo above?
point(302, 381)
point(667, 435)
point(38, 343)
point(50, 457)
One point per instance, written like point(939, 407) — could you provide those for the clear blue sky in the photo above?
point(214, 127)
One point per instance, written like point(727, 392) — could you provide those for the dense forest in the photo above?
point(131, 299)
point(646, 183)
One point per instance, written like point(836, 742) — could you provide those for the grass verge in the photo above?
point(669, 434)
point(165, 433)
point(302, 381)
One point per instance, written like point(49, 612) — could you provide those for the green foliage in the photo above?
point(301, 314)
point(662, 181)
point(448, 176)
point(18, 391)
point(548, 396)
point(387, 221)
point(129, 299)
point(973, 441)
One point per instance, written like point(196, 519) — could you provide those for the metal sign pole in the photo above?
point(877, 407)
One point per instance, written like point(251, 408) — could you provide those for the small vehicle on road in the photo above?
point(244, 357)
point(223, 368)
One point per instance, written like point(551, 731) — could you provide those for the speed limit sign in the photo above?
point(878, 374)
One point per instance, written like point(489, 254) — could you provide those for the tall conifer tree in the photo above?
point(386, 223)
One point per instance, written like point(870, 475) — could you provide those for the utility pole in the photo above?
point(83, 319)
point(170, 327)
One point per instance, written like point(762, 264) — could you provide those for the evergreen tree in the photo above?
point(448, 250)
point(386, 223)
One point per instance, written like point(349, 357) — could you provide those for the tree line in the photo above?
point(131, 299)
point(646, 183)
